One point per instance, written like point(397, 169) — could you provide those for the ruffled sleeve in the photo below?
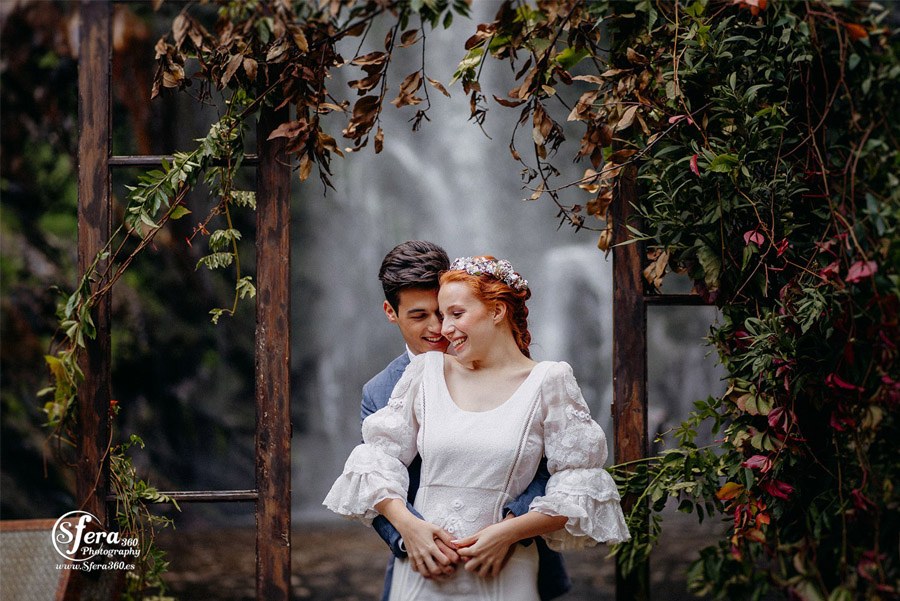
point(377, 469)
point(579, 488)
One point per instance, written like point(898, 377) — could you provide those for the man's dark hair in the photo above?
point(413, 264)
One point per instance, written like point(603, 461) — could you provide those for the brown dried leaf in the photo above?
point(277, 51)
point(326, 142)
point(356, 30)
point(364, 85)
point(379, 141)
point(542, 125)
point(173, 75)
point(627, 118)
point(364, 113)
point(590, 181)
point(538, 192)
point(635, 58)
point(620, 156)
point(656, 270)
point(584, 107)
point(599, 205)
point(305, 168)
point(180, 27)
point(288, 129)
point(299, 39)
point(411, 83)
point(508, 103)
point(408, 38)
point(325, 107)
point(372, 58)
point(250, 68)
point(440, 88)
point(605, 240)
point(234, 64)
point(589, 78)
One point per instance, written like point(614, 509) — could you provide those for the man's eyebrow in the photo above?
point(411, 311)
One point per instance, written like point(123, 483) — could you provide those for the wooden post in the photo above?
point(92, 478)
point(629, 359)
point(273, 391)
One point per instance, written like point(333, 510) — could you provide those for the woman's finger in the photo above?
point(464, 542)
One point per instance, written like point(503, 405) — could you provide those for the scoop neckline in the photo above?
point(446, 389)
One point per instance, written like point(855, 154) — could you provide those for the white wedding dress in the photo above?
point(474, 463)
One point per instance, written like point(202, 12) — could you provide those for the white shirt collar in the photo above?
point(410, 353)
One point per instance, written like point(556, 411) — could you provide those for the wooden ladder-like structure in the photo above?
point(272, 494)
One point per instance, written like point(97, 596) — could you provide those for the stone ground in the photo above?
point(343, 561)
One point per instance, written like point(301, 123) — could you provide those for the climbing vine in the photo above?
point(767, 160)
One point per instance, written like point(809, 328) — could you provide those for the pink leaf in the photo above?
point(676, 118)
point(861, 270)
point(834, 381)
point(778, 489)
point(754, 237)
point(694, 166)
point(758, 462)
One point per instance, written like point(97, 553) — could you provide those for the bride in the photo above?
point(481, 421)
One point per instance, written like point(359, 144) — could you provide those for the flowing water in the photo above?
point(450, 184)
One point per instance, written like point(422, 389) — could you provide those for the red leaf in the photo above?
point(753, 236)
point(694, 166)
point(834, 381)
point(758, 462)
point(778, 489)
point(855, 31)
point(861, 270)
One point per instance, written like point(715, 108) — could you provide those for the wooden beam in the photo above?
point(629, 359)
point(93, 233)
point(273, 391)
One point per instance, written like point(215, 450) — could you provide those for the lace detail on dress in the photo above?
point(579, 488)
point(455, 517)
point(376, 470)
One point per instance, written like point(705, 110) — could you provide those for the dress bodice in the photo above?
point(474, 462)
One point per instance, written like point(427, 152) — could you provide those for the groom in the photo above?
point(409, 276)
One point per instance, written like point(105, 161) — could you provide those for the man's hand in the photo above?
point(486, 552)
point(430, 548)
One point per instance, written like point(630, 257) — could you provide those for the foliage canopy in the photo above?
point(767, 155)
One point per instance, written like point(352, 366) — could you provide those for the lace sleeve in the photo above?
point(579, 488)
point(376, 470)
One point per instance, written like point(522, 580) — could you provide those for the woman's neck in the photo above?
point(504, 353)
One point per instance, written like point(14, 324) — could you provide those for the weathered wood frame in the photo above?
point(630, 302)
point(272, 494)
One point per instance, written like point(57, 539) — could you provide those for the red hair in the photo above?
point(488, 290)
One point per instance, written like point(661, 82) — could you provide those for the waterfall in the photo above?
point(450, 184)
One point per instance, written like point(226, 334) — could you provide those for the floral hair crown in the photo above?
point(500, 269)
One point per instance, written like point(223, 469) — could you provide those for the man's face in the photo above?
point(418, 318)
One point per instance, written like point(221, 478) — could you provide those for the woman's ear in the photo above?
point(499, 312)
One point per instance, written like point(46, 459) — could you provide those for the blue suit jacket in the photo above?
point(552, 578)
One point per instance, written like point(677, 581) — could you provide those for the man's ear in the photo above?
point(389, 311)
point(499, 312)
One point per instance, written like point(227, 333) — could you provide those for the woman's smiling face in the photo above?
point(468, 323)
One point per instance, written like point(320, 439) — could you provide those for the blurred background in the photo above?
point(186, 386)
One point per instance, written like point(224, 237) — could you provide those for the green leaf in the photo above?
point(570, 57)
point(179, 212)
point(723, 163)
